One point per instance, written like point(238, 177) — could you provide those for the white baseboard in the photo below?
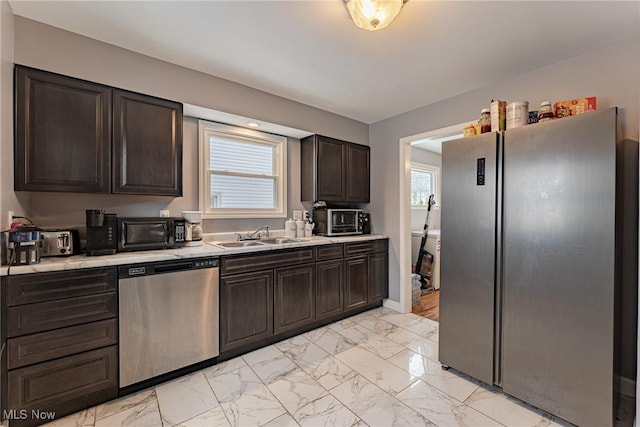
point(625, 386)
point(393, 305)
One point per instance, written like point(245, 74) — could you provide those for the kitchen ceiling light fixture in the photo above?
point(373, 14)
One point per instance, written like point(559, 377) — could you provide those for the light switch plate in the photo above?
point(297, 215)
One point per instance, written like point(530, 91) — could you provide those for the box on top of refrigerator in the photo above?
point(572, 107)
point(498, 115)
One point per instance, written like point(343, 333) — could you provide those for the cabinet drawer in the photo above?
point(44, 346)
point(269, 260)
point(366, 247)
point(44, 316)
point(64, 385)
point(329, 252)
point(40, 287)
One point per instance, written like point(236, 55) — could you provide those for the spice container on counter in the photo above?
point(545, 113)
point(485, 120)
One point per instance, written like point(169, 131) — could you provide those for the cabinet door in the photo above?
point(355, 286)
point(64, 385)
point(147, 145)
point(357, 173)
point(329, 284)
point(331, 177)
point(378, 277)
point(246, 309)
point(63, 133)
point(293, 300)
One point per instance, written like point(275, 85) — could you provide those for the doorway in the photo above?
point(421, 160)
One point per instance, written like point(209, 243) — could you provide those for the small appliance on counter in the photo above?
point(365, 221)
point(337, 222)
point(193, 228)
point(59, 242)
point(101, 233)
point(148, 233)
point(24, 245)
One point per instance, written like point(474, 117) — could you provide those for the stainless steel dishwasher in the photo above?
point(168, 316)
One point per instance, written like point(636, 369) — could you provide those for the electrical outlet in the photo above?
point(9, 219)
point(297, 215)
point(305, 215)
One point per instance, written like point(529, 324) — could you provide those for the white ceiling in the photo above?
point(311, 52)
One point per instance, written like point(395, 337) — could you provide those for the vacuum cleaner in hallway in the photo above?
point(424, 256)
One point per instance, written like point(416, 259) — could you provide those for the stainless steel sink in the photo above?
point(240, 244)
point(278, 240)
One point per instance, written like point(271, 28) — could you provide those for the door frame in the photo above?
point(404, 151)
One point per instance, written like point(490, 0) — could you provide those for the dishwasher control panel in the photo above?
point(206, 263)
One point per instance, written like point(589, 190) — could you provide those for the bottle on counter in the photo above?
point(485, 120)
point(545, 113)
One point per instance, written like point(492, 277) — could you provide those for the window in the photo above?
point(424, 182)
point(242, 172)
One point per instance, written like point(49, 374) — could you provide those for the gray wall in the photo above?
point(42, 46)
point(8, 199)
point(610, 73)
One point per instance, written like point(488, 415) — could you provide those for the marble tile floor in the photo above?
point(378, 368)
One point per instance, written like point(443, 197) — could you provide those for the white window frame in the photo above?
point(435, 170)
point(205, 130)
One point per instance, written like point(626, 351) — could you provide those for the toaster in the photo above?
point(59, 243)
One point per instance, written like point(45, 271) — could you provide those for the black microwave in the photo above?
point(337, 222)
point(141, 234)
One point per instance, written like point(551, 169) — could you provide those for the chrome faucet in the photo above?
point(251, 236)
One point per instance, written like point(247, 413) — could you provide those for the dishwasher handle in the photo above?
point(170, 268)
point(148, 269)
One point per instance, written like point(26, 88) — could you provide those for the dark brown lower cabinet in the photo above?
point(61, 352)
point(35, 348)
point(329, 284)
point(294, 297)
point(378, 277)
point(273, 295)
point(62, 386)
point(29, 318)
point(355, 283)
point(246, 309)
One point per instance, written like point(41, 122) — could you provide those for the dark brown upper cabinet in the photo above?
point(147, 145)
point(78, 136)
point(62, 133)
point(357, 173)
point(334, 171)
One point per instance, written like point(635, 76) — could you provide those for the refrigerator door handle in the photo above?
point(498, 296)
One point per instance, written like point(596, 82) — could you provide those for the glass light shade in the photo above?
point(373, 14)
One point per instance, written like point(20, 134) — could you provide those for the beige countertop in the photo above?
point(207, 249)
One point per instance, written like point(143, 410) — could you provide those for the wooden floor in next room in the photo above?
point(429, 306)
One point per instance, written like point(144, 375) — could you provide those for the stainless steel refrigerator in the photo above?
point(531, 261)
